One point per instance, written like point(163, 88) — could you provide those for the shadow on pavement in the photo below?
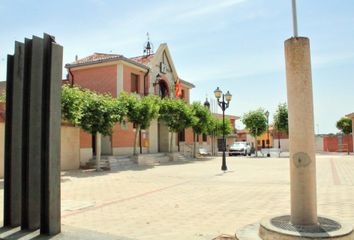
point(83, 173)
point(67, 233)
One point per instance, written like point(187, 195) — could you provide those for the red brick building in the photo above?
point(148, 74)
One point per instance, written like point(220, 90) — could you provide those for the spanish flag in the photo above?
point(178, 89)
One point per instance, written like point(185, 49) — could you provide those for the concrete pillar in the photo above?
point(301, 131)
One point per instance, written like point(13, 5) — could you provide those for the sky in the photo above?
point(237, 45)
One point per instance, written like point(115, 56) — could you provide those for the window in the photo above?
point(134, 83)
point(205, 137)
point(182, 136)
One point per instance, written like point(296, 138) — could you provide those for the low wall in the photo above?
point(319, 143)
point(338, 143)
point(70, 148)
point(123, 151)
point(284, 144)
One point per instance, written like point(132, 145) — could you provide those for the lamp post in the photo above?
point(267, 115)
point(223, 105)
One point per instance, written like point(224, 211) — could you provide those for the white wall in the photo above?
point(284, 144)
point(319, 143)
point(70, 148)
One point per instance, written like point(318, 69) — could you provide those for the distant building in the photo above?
point(263, 141)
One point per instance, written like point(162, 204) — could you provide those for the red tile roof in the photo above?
point(351, 115)
point(102, 57)
point(96, 57)
point(219, 115)
point(143, 59)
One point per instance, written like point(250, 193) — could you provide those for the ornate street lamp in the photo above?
point(267, 115)
point(223, 105)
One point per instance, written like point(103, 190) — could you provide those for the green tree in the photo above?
point(94, 113)
point(3, 97)
point(176, 114)
point(72, 100)
point(100, 113)
point(280, 120)
point(256, 123)
point(140, 111)
point(202, 119)
point(220, 127)
point(345, 126)
point(216, 128)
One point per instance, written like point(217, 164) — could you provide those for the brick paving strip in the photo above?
point(91, 208)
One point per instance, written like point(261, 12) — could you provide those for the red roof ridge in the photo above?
point(109, 54)
point(143, 59)
point(143, 56)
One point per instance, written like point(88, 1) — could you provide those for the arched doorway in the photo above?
point(163, 89)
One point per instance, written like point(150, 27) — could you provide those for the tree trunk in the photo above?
point(279, 143)
point(256, 145)
point(140, 144)
point(137, 129)
point(98, 151)
point(194, 146)
point(171, 141)
point(348, 144)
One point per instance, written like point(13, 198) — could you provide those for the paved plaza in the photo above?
point(195, 200)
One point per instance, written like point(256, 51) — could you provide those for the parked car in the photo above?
point(243, 148)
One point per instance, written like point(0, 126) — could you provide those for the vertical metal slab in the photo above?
point(50, 214)
point(32, 129)
point(25, 127)
point(13, 139)
point(8, 142)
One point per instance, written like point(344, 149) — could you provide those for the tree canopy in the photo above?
point(91, 111)
point(72, 100)
point(216, 127)
point(202, 118)
point(140, 111)
point(344, 125)
point(176, 114)
point(3, 97)
point(280, 118)
point(255, 122)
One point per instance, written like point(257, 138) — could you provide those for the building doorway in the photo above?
point(163, 137)
point(163, 89)
point(106, 145)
